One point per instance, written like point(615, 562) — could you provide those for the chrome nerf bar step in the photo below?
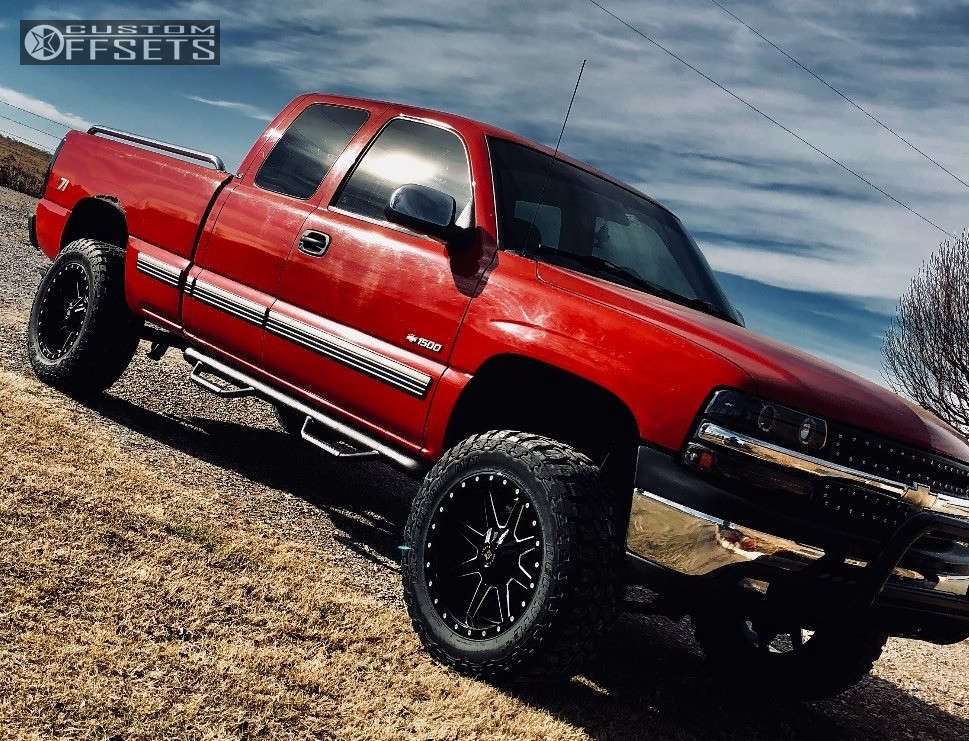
point(346, 442)
point(337, 448)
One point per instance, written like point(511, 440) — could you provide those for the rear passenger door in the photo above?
point(369, 324)
point(258, 221)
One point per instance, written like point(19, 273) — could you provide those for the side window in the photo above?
point(540, 216)
point(406, 152)
point(308, 149)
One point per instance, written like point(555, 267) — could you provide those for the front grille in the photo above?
point(863, 511)
point(889, 459)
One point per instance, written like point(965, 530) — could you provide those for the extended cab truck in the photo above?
point(548, 348)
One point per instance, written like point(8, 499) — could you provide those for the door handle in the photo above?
point(314, 244)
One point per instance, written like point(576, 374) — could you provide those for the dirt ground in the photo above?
point(172, 565)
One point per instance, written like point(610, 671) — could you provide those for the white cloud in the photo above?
point(763, 205)
point(245, 109)
point(42, 108)
point(641, 115)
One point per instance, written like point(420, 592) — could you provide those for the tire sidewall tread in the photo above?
point(110, 332)
point(576, 598)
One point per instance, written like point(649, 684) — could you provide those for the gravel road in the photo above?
point(651, 678)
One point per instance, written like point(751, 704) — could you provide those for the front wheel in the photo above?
point(81, 335)
point(783, 659)
point(509, 558)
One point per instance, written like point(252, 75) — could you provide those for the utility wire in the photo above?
point(26, 140)
point(28, 126)
point(770, 118)
point(835, 90)
point(32, 113)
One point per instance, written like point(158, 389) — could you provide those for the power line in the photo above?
point(28, 126)
point(32, 113)
point(770, 118)
point(26, 140)
point(831, 87)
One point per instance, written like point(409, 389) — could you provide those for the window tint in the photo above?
point(589, 224)
point(546, 219)
point(408, 152)
point(308, 149)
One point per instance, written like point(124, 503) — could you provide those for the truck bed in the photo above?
point(164, 198)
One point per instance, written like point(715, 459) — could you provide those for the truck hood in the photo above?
point(778, 372)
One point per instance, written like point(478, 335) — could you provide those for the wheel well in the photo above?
point(98, 218)
point(518, 393)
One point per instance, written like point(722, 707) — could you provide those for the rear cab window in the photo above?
point(308, 149)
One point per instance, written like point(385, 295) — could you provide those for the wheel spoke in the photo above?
point(462, 569)
point(525, 571)
point(476, 601)
point(515, 517)
point(67, 342)
point(485, 547)
point(504, 606)
point(490, 514)
point(470, 534)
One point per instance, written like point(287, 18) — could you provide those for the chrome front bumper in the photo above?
point(693, 543)
point(693, 534)
point(915, 494)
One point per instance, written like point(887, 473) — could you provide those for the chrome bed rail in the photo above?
point(194, 154)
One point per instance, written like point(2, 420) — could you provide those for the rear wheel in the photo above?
point(509, 560)
point(81, 335)
point(785, 659)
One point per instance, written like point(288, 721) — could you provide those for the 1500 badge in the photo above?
point(424, 342)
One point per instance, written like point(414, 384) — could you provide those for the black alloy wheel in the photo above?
point(484, 555)
point(81, 334)
point(783, 659)
point(63, 307)
point(510, 558)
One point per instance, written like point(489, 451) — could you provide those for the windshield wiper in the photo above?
point(630, 276)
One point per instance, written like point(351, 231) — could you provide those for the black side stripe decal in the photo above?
point(347, 353)
point(361, 359)
point(157, 269)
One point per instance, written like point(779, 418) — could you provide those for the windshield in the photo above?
point(556, 212)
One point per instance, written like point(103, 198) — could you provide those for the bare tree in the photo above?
point(926, 350)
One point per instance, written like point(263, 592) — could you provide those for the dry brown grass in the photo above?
point(22, 166)
point(133, 608)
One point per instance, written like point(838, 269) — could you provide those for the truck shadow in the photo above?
point(366, 502)
point(650, 680)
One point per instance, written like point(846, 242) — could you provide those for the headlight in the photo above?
point(766, 420)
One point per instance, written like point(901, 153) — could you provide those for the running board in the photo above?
point(242, 384)
point(336, 448)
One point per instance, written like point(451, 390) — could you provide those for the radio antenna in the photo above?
point(548, 167)
point(569, 109)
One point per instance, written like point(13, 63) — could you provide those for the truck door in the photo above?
point(229, 291)
point(367, 323)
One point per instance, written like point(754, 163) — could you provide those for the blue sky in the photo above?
point(811, 255)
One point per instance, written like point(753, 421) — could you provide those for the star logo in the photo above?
point(44, 42)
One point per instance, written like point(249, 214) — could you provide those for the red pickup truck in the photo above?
point(549, 349)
